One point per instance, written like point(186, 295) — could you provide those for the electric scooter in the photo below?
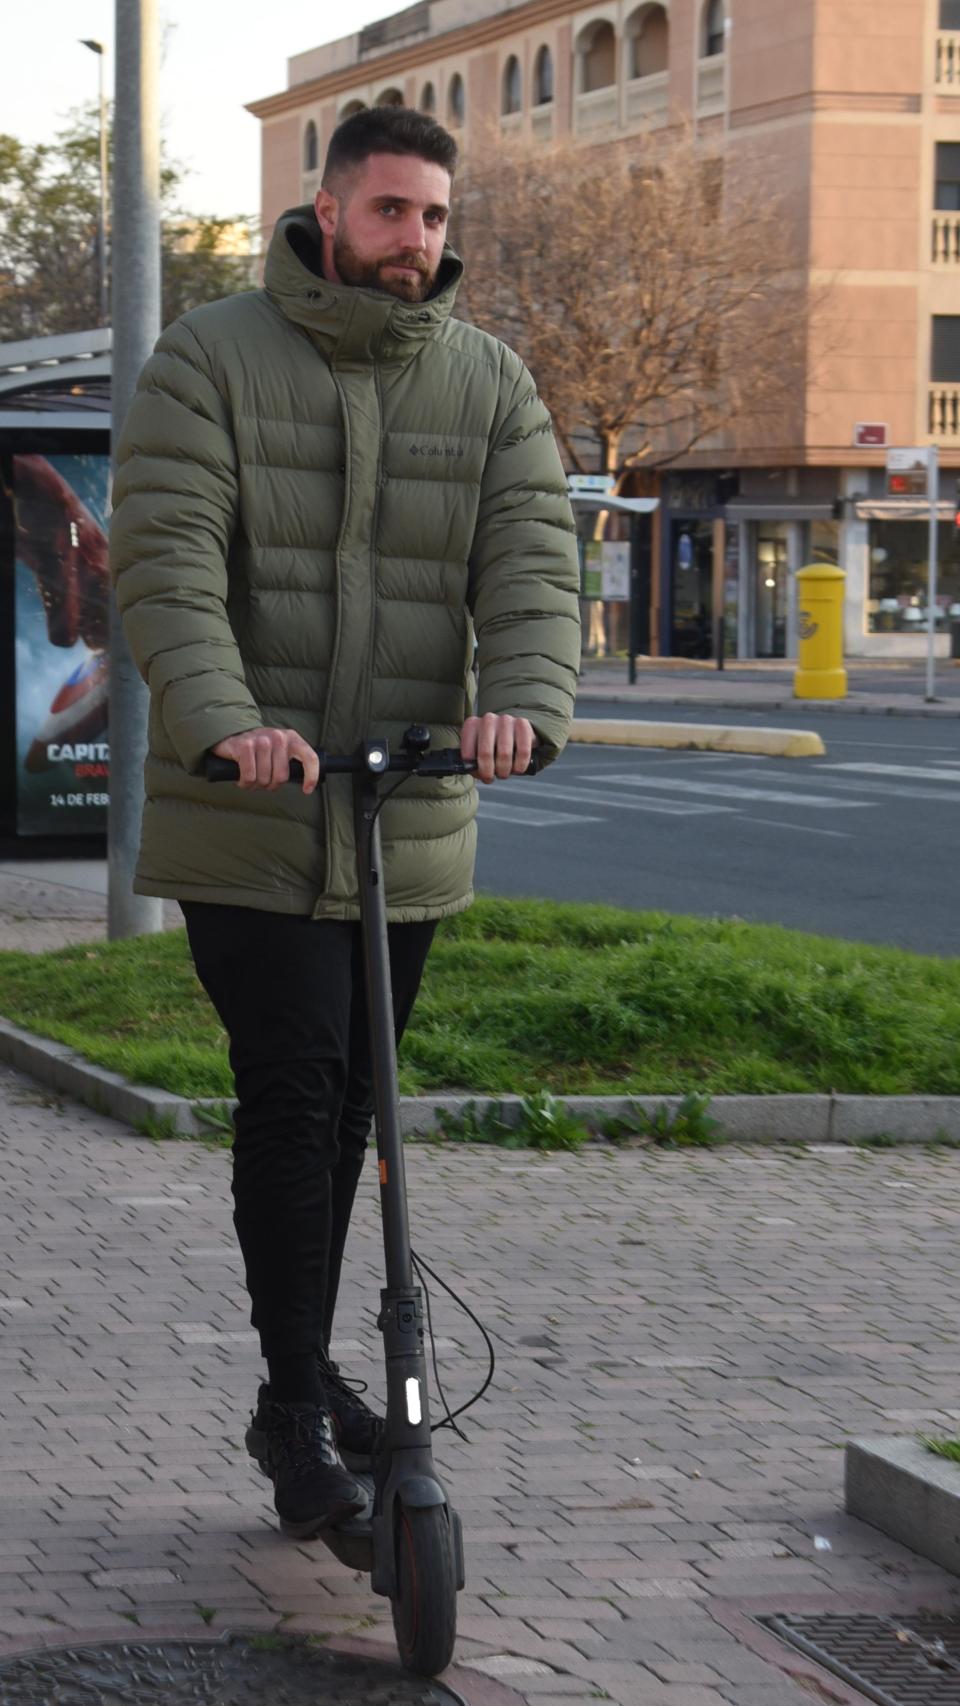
point(409, 1538)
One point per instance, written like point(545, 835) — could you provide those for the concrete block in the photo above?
point(699, 737)
point(908, 1493)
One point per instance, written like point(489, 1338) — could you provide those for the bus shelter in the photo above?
point(621, 577)
point(54, 581)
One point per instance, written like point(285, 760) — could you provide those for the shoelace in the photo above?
point(309, 1434)
point(350, 1389)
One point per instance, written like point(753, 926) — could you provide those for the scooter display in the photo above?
point(409, 1538)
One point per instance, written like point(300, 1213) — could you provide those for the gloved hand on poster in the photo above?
point(66, 549)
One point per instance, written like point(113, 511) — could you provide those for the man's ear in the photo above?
point(327, 209)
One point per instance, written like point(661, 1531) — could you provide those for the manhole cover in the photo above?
point(914, 1661)
point(235, 1671)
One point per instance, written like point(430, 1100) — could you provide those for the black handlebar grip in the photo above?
point(228, 770)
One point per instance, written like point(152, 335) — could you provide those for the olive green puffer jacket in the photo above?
point(322, 494)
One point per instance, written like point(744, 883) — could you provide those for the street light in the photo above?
point(98, 48)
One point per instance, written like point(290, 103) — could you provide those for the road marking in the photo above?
point(892, 790)
point(494, 812)
point(920, 773)
point(797, 828)
point(727, 791)
point(668, 808)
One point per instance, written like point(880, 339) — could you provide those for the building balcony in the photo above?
point(944, 414)
point(947, 67)
point(647, 99)
point(711, 85)
point(945, 239)
point(596, 110)
point(541, 122)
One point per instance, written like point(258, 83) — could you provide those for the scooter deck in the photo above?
point(352, 1542)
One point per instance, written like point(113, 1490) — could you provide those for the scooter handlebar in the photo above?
point(446, 761)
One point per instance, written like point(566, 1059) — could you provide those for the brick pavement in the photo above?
point(684, 1343)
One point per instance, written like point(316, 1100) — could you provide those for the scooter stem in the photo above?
point(373, 911)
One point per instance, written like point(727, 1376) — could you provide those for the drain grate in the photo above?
point(910, 1661)
point(234, 1671)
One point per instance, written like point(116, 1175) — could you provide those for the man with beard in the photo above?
point(326, 490)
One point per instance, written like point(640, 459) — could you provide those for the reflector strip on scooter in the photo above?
point(414, 1412)
point(383, 1172)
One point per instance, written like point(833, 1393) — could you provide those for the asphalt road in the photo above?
point(862, 843)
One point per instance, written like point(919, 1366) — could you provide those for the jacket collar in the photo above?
point(350, 324)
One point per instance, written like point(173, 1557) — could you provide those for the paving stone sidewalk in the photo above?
point(684, 1343)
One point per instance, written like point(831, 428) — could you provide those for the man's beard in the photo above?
point(358, 270)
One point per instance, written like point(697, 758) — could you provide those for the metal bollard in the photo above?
point(820, 673)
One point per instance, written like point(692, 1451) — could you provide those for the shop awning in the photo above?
point(902, 509)
point(741, 509)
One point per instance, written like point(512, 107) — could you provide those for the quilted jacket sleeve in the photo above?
point(174, 509)
point(524, 570)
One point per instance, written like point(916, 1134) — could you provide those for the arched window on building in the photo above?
point(543, 77)
point(311, 148)
point(428, 100)
point(511, 94)
point(714, 35)
point(648, 34)
point(596, 57)
point(351, 108)
point(456, 101)
point(389, 98)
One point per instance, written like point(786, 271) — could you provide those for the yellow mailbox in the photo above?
point(820, 672)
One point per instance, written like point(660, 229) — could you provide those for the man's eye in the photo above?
point(389, 207)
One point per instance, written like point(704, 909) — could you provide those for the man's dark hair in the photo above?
point(388, 130)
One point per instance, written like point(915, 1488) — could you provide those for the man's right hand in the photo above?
point(264, 758)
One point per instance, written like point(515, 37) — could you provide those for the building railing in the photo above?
point(711, 85)
point(947, 71)
point(945, 244)
point(541, 122)
point(511, 122)
point(944, 413)
point(647, 99)
point(596, 110)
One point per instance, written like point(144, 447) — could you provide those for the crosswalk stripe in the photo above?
point(892, 790)
point(493, 811)
point(731, 791)
point(920, 772)
point(668, 808)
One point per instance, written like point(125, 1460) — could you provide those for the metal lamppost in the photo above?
point(98, 48)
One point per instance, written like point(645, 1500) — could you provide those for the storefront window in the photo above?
point(897, 602)
point(824, 543)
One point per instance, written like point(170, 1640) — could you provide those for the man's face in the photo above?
point(385, 227)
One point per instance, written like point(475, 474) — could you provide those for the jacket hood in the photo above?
point(349, 322)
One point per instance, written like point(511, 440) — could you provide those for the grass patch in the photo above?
point(949, 1448)
point(530, 996)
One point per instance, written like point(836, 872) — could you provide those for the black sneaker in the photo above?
point(294, 1446)
point(358, 1428)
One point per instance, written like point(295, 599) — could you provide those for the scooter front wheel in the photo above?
point(425, 1607)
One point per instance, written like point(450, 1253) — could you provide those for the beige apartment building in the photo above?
point(853, 107)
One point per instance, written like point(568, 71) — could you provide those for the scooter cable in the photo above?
point(449, 1419)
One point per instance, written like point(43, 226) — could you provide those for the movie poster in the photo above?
point(61, 615)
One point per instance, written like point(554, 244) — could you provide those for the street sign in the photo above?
point(602, 483)
point(908, 472)
point(869, 433)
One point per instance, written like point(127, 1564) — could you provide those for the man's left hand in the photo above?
point(501, 745)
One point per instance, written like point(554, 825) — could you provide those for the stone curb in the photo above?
point(701, 737)
point(829, 1119)
point(907, 1493)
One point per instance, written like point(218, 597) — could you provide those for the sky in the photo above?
point(215, 56)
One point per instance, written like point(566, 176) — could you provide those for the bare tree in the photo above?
point(655, 292)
